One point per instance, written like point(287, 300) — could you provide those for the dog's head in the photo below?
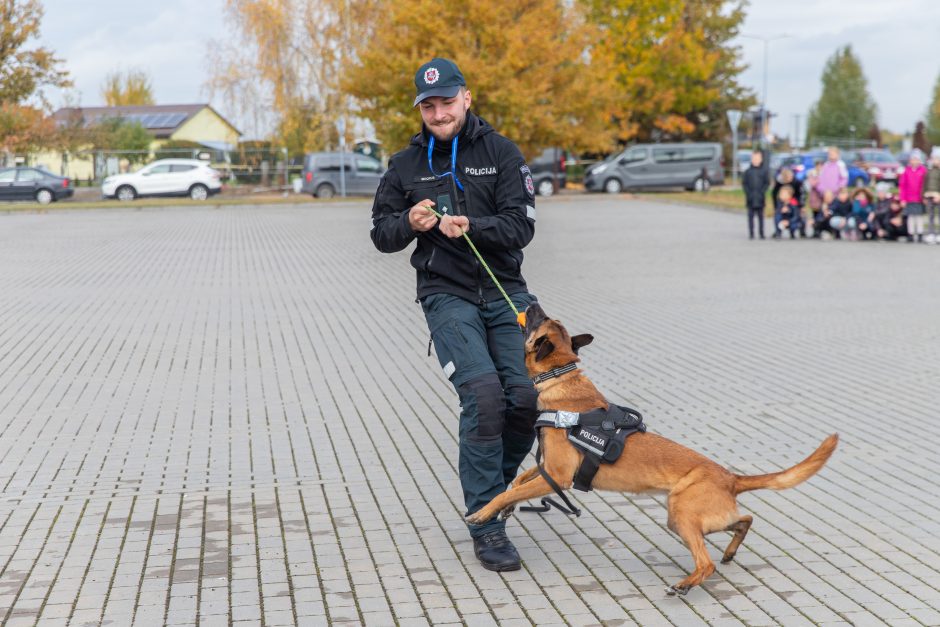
point(547, 342)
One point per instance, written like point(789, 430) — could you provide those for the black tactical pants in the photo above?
point(480, 349)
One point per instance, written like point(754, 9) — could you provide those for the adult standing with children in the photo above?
point(911, 194)
point(932, 193)
point(755, 182)
point(833, 174)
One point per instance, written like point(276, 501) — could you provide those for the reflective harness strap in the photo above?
point(555, 372)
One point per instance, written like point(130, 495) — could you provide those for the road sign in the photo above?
point(734, 118)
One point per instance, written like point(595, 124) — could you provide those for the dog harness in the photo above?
point(600, 435)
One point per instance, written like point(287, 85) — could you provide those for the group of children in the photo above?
point(856, 214)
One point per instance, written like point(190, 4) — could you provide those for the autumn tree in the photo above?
point(676, 72)
point(127, 88)
point(874, 135)
point(24, 72)
point(529, 67)
point(23, 128)
point(282, 70)
point(933, 116)
point(845, 101)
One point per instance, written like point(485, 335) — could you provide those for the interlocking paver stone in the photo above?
point(227, 416)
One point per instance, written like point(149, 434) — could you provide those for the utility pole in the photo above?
point(763, 104)
point(797, 143)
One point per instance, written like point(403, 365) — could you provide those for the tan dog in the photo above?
point(702, 494)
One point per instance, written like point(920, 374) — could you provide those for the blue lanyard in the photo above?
point(453, 161)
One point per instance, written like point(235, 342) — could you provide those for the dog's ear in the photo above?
point(543, 348)
point(579, 341)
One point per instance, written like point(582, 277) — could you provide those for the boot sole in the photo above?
point(501, 568)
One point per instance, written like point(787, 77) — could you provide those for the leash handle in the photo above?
point(519, 316)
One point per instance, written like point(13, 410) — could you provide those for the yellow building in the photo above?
point(198, 123)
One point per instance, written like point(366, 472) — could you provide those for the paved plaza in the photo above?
point(227, 416)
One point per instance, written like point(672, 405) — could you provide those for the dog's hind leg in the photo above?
point(740, 529)
point(691, 533)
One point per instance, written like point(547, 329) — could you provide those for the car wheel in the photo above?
point(613, 186)
point(325, 191)
point(545, 187)
point(126, 193)
point(701, 184)
point(198, 192)
point(44, 197)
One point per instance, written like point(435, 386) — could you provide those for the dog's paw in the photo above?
point(727, 558)
point(506, 514)
point(476, 519)
point(676, 590)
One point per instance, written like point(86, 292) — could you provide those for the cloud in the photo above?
point(896, 43)
point(165, 39)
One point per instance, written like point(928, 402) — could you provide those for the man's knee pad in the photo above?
point(522, 410)
point(484, 407)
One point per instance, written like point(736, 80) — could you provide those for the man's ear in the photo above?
point(545, 349)
point(581, 340)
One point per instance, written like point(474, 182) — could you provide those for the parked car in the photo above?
point(743, 159)
point(903, 157)
point(803, 163)
point(26, 183)
point(692, 166)
point(322, 172)
point(165, 177)
point(880, 164)
point(548, 171)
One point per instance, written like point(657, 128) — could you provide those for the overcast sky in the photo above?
point(896, 40)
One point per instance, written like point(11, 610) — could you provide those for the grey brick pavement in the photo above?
point(227, 416)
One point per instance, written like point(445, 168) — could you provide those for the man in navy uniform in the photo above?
point(480, 183)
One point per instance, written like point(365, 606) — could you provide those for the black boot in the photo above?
point(496, 552)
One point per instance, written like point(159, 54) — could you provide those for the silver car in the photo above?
point(323, 173)
point(692, 166)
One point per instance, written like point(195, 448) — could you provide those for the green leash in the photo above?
point(520, 317)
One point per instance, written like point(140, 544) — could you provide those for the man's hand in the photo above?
point(420, 217)
point(454, 226)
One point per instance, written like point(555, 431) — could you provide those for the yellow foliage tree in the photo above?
point(284, 68)
point(23, 128)
point(529, 66)
point(124, 89)
point(23, 72)
point(675, 71)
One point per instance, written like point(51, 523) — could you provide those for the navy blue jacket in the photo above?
point(498, 198)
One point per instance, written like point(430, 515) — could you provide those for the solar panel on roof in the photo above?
point(176, 118)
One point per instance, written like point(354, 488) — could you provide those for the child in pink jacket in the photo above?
point(911, 193)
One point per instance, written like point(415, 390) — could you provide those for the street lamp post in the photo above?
point(763, 106)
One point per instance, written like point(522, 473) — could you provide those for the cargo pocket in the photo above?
point(453, 350)
point(449, 340)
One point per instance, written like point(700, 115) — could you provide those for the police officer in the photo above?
point(480, 183)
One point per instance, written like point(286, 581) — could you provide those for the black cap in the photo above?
point(438, 77)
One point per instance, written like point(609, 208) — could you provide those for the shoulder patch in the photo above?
point(527, 182)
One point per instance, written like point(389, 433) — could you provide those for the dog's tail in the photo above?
point(791, 476)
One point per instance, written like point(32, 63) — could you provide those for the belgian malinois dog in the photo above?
point(702, 494)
